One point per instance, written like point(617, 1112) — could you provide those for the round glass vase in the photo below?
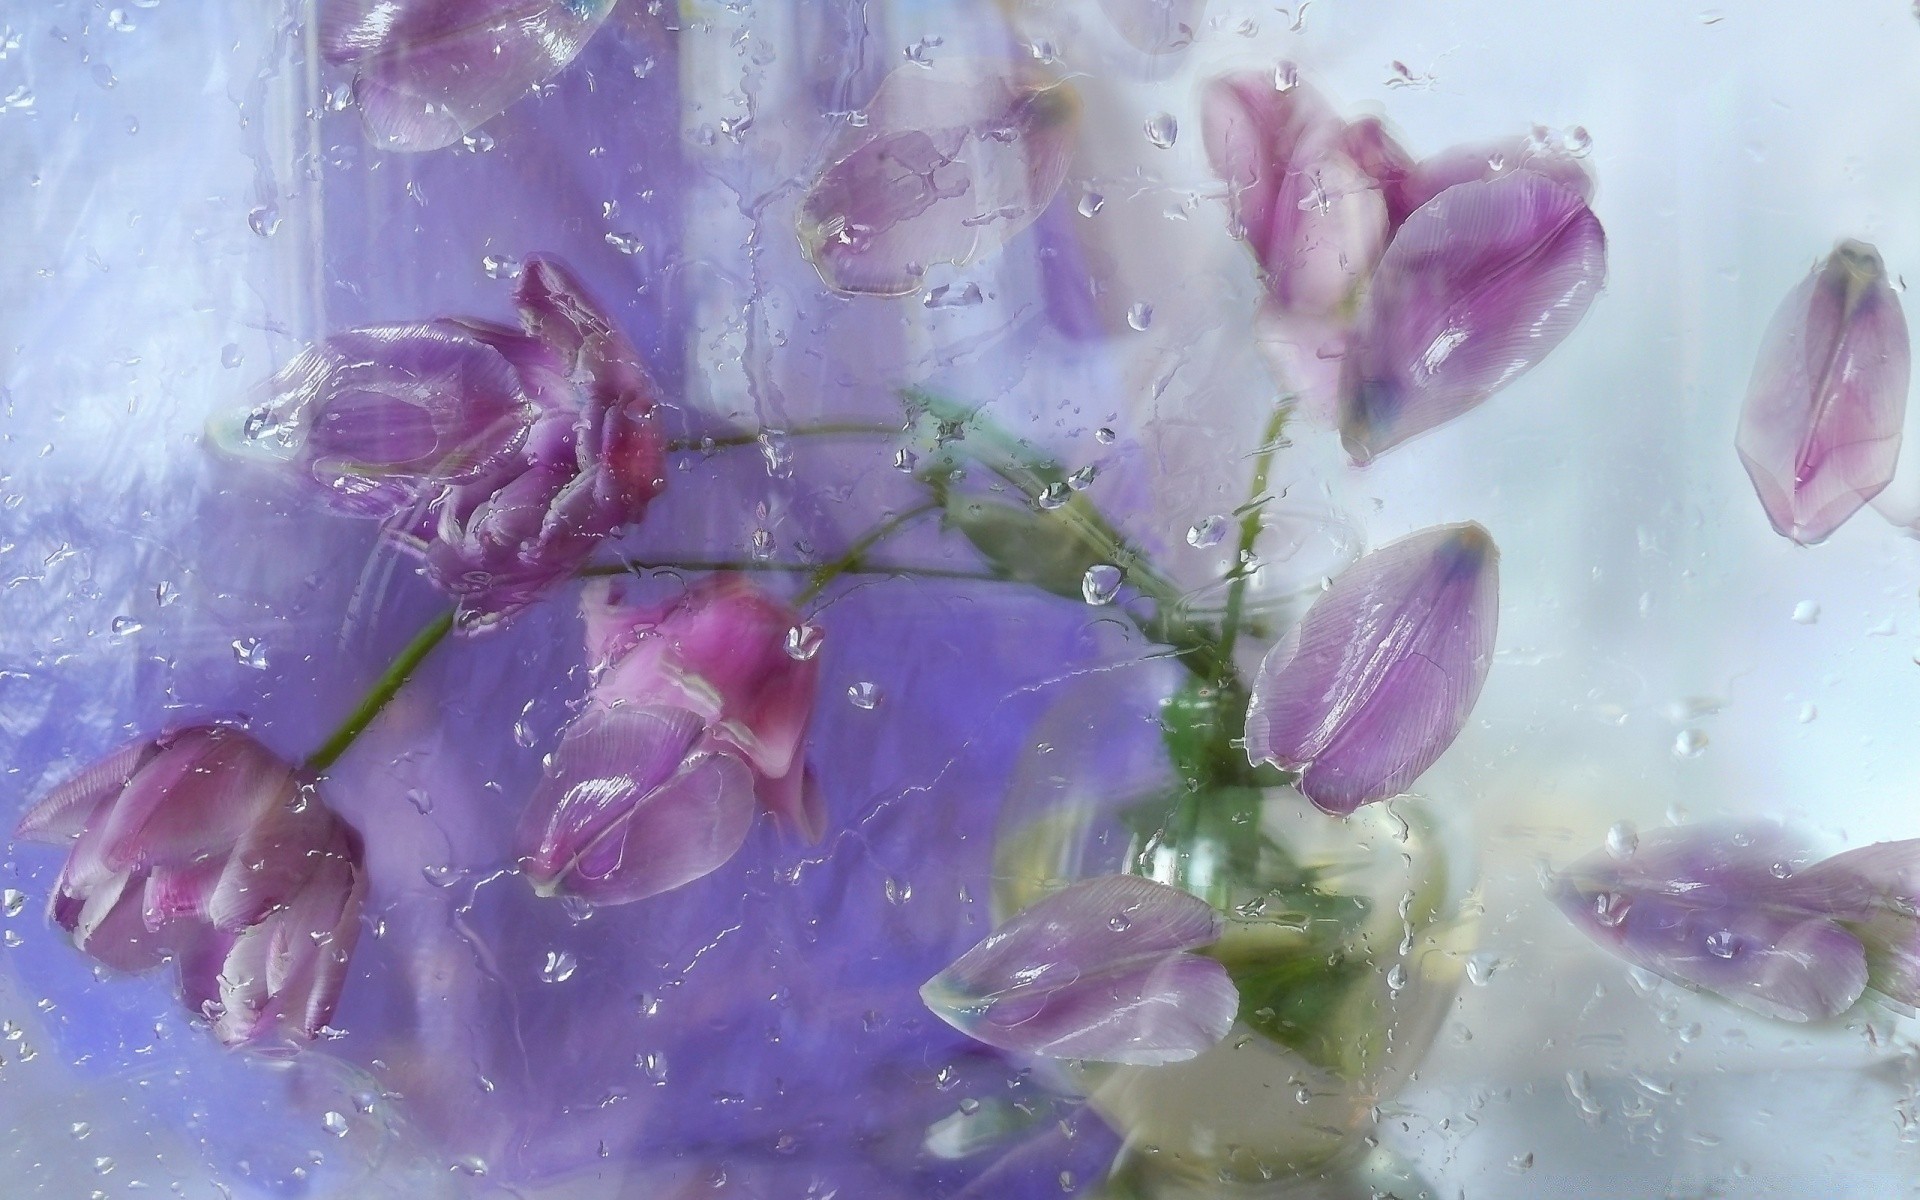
point(1347, 939)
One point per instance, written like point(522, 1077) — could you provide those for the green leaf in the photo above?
point(1304, 1001)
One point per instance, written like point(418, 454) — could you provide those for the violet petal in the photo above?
point(1378, 678)
point(1097, 971)
point(1820, 431)
point(952, 162)
point(1478, 286)
point(634, 807)
point(428, 72)
point(1875, 892)
point(1488, 160)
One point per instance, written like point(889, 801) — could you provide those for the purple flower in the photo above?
point(698, 712)
point(1735, 910)
point(1314, 216)
point(1478, 286)
point(501, 458)
point(428, 72)
point(951, 163)
point(1820, 431)
point(1098, 971)
point(204, 846)
point(1378, 678)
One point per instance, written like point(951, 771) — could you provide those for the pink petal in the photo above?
point(1875, 892)
point(199, 794)
point(1488, 160)
point(428, 72)
point(1379, 677)
point(1097, 971)
point(272, 862)
point(64, 812)
point(633, 807)
point(1156, 26)
point(1820, 431)
point(1478, 286)
point(952, 162)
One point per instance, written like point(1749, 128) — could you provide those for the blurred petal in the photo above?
point(952, 162)
point(373, 416)
point(1156, 26)
point(1097, 971)
point(1476, 288)
point(1317, 222)
point(1426, 179)
point(428, 72)
point(1820, 431)
point(1715, 925)
point(200, 793)
point(1378, 678)
point(63, 813)
point(633, 807)
point(1875, 892)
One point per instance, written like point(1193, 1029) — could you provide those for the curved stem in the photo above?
point(858, 550)
point(1250, 526)
point(827, 429)
point(383, 690)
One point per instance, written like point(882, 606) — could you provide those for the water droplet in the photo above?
point(969, 1106)
point(625, 243)
point(1082, 479)
point(1140, 315)
point(804, 641)
point(501, 266)
point(1622, 840)
point(905, 460)
point(1723, 944)
point(1055, 495)
point(124, 626)
point(421, 801)
point(264, 220)
point(1579, 141)
point(1522, 1162)
point(1611, 908)
point(1482, 967)
point(1397, 978)
point(1208, 531)
point(1162, 129)
point(80, 1130)
point(250, 652)
point(559, 967)
point(949, 296)
point(1807, 713)
point(1091, 203)
point(103, 1165)
point(1100, 583)
point(1691, 743)
point(230, 356)
point(335, 1123)
point(653, 1064)
point(1806, 613)
point(864, 695)
point(12, 901)
point(1106, 437)
point(1120, 922)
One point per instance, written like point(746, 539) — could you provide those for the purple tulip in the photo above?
point(204, 846)
point(1314, 217)
point(1478, 286)
point(1100, 971)
point(1820, 431)
point(500, 458)
point(1411, 185)
point(951, 163)
point(429, 72)
point(1378, 678)
point(1735, 910)
point(698, 711)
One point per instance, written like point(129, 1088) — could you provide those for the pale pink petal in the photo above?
point(65, 811)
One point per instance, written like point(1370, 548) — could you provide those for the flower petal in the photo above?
point(1378, 678)
point(1820, 431)
point(200, 793)
point(66, 811)
point(1488, 160)
point(1096, 971)
point(634, 807)
point(1875, 892)
point(952, 162)
point(1478, 286)
point(428, 72)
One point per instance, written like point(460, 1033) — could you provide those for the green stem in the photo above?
point(827, 429)
point(384, 689)
point(1250, 527)
point(858, 550)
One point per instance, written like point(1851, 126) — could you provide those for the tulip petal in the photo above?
point(428, 72)
point(1156, 26)
point(1378, 678)
point(634, 807)
point(1097, 971)
point(1426, 179)
point(1820, 431)
point(66, 811)
point(200, 793)
point(952, 162)
point(1875, 892)
point(1478, 286)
